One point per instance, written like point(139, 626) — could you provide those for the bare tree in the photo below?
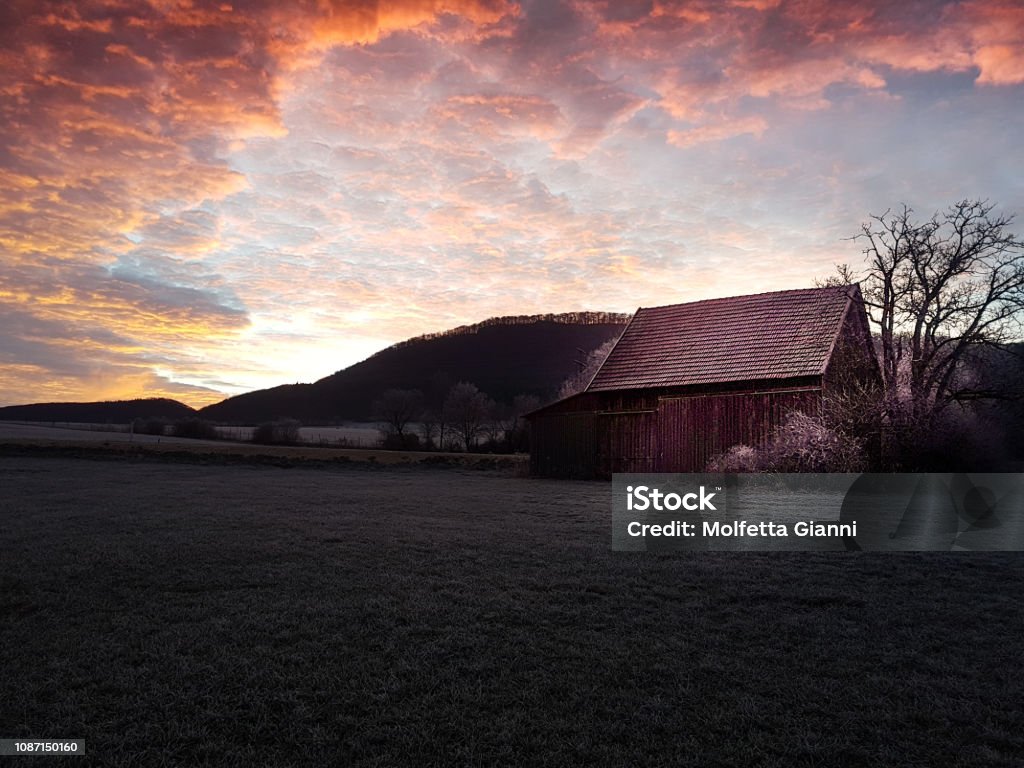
point(467, 410)
point(397, 408)
point(440, 385)
point(494, 428)
point(430, 427)
point(589, 365)
point(513, 425)
point(942, 293)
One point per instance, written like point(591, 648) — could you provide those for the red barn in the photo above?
point(686, 382)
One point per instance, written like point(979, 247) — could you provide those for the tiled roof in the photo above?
point(763, 336)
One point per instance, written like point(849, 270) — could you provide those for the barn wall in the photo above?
point(853, 364)
point(692, 430)
point(564, 445)
point(656, 432)
point(626, 442)
point(578, 403)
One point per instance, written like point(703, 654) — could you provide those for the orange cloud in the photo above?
point(176, 174)
point(504, 114)
point(997, 29)
point(1000, 64)
point(726, 129)
point(35, 383)
point(803, 83)
point(300, 39)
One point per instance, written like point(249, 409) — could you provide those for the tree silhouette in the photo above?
point(943, 294)
point(467, 410)
point(397, 408)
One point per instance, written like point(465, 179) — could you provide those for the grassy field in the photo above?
point(29, 439)
point(352, 435)
point(176, 614)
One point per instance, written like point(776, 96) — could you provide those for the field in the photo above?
point(360, 615)
point(352, 435)
point(80, 441)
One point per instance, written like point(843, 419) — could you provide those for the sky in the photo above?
point(199, 199)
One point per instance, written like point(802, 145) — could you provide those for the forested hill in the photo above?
point(503, 357)
point(110, 412)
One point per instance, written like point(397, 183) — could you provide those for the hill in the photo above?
point(108, 412)
point(504, 357)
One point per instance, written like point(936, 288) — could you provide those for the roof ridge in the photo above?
point(815, 289)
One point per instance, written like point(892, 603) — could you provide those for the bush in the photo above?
point(282, 432)
point(800, 444)
point(198, 429)
point(739, 458)
point(395, 442)
point(803, 444)
point(959, 440)
point(149, 426)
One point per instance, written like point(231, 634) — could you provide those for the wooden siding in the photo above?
point(852, 363)
point(626, 442)
point(582, 402)
point(564, 445)
point(666, 433)
point(692, 430)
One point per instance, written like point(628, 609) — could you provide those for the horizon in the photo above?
point(429, 336)
point(200, 200)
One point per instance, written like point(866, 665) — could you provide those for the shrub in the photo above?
point(282, 432)
point(800, 444)
point(393, 441)
point(958, 440)
point(149, 426)
point(198, 429)
point(739, 458)
point(803, 444)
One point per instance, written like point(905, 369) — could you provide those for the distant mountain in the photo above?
point(503, 356)
point(109, 412)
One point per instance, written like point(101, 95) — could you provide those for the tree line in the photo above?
point(463, 419)
point(568, 318)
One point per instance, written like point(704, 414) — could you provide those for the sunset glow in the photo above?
point(199, 199)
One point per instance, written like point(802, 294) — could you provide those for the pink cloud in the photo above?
point(186, 170)
point(754, 126)
point(1000, 64)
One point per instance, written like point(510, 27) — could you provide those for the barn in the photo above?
point(685, 382)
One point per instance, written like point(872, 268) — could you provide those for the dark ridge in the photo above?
point(503, 357)
point(569, 318)
point(112, 411)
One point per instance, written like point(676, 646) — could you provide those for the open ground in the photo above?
point(189, 614)
point(352, 435)
point(19, 438)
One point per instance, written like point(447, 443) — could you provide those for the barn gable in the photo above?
point(687, 381)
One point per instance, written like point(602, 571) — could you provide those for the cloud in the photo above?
point(996, 31)
point(499, 115)
point(41, 361)
point(1000, 64)
point(221, 195)
point(718, 132)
